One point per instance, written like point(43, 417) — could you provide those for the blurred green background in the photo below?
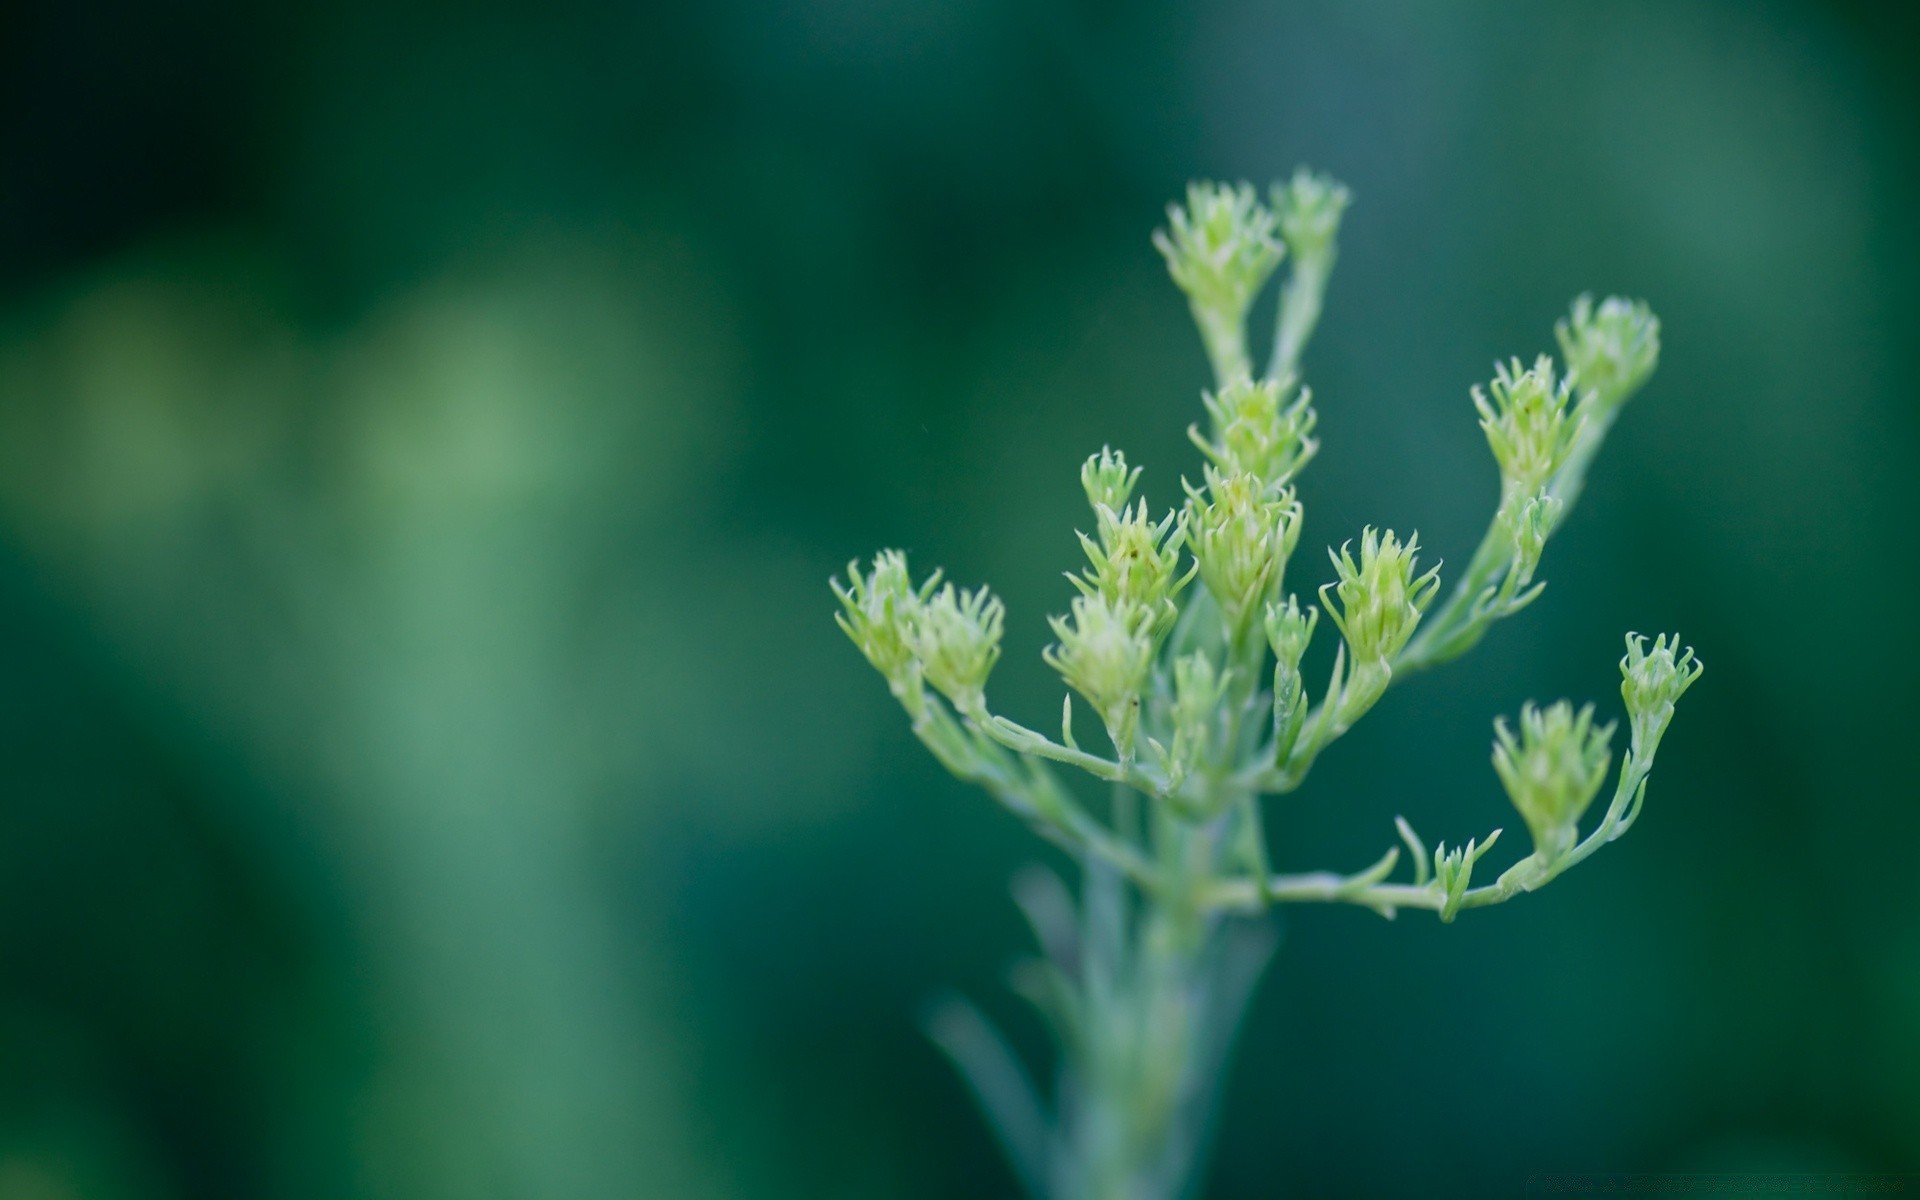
point(428, 769)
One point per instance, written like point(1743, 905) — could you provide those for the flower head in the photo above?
point(1241, 535)
point(1609, 349)
point(1220, 248)
point(1108, 480)
point(1308, 208)
point(1136, 560)
point(1650, 683)
point(878, 609)
point(1552, 770)
point(1381, 599)
point(1529, 424)
point(1262, 428)
point(1105, 651)
point(956, 636)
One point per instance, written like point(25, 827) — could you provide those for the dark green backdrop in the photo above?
point(428, 770)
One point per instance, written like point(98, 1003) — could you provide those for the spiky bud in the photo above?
point(956, 636)
point(1529, 423)
point(1609, 349)
point(1381, 598)
point(1651, 681)
point(1104, 652)
point(1552, 770)
point(1241, 535)
point(1136, 561)
point(1261, 428)
point(878, 609)
point(1221, 250)
point(1308, 209)
point(1108, 480)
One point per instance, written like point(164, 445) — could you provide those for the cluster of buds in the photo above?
point(1221, 250)
point(1609, 349)
point(1242, 533)
point(1529, 423)
point(1651, 681)
point(1262, 428)
point(932, 634)
point(1552, 771)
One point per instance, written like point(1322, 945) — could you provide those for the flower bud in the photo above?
point(1381, 599)
point(1241, 537)
point(1136, 561)
point(956, 636)
point(1651, 681)
point(1308, 208)
point(1199, 716)
point(1288, 632)
point(878, 611)
point(1528, 423)
point(1258, 430)
point(1104, 653)
point(1107, 479)
point(1552, 771)
point(1221, 250)
point(1610, 350)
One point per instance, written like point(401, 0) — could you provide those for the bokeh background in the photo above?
point(428, 769)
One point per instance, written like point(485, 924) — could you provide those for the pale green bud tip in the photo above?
point(1104, 653)
point(878, 610)
point(1220, 248)
point(1527, 422)
point(1289, 630)
point(1260, 427)
point(1309, 207)
point(1651, 682)
point(1610, 349)
point(1381, 598)
point(956, 637)
point(1552, 770)
point(1108, 480)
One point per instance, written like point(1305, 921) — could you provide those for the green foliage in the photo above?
point(1137, 1000)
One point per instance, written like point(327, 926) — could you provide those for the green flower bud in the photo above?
point(1199, 713)
point(1610, 350)
point(1221, 250)
point(1107, 479)
point(1136, 561)
point(1104, 653)
point(1288, 632)
point(1381, 599)
point(878, 611)
point(1258, 430)
point(1241, 537)
point(1651, 681)
point(1528, 423)
point(956, 636)
point(1552, 771)
point(1308, 209)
